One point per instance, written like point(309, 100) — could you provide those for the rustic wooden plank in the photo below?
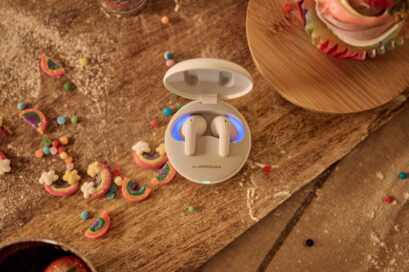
point(117, 95)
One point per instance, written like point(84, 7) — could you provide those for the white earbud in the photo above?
point(222, 127)
point(194, 126)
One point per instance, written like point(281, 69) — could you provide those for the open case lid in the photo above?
point(195, 78)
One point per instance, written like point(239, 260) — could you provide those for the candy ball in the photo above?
point(403, 175)
point(47, 142)
point(165, 20)
point(69, 166)
point(53, 150)
point(309, 242)
point(174, 95)
point(118, 181)
point(63, 155)
point(170, 62)
point(64, 140)
point(84, 215)
point(83, 62)
point(61, 120)
point(110, 195)
point(178, 107)
point(46, 150)
point(167, 111)
point(55, 143)
point(167, 55)
point(39, 153)
point(74, 120)
point(68, 86)
point(191, 208)
point(113, 188)
point(116, 171)
point(21, 106)
point(69, 159)
point(154, 123)
point(61, 149)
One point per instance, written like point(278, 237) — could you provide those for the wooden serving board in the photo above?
point(118, 93)
point(307, 77)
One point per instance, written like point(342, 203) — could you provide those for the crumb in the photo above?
point(379, 175)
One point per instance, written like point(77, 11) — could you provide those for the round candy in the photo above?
point(53, 150)
point(61, 120)
point(191, 208)
point(74, 120)
point(154, 123)
point(69, 86)
point(110, 195)
point(165, 20)
point(21, 106)
point(403, 175)
point(64, 140)
point(47, 142)
point(46, 150)
point(113, 188)
point(61, 149)
point(309, 242)
point(169, 62)
point(84, 215)
point(116, 172)
point(69, 166)
point(388, 199)
point(118, 181)
point(178, 107)
point(39, 153)
point(167, 111)
point(266, 169)
point(83, 62)
point(287, 7)
point(69, 159)
point(63, 155)
point(167, 55)
point(55, 143)
point(174, 95)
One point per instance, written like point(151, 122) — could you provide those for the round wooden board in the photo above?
point(307, 77)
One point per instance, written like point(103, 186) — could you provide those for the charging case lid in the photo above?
point(200, 77)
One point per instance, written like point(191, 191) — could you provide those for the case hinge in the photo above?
point(208, 99)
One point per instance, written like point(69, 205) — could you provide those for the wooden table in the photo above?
point(117, 95)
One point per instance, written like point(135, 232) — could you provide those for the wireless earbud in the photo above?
point(194, 126)
point(222, 127)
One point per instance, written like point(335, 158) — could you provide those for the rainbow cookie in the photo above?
point(99, 227)
point(133, 192)
point(145, 159)
point(103, 178)
point(50, 67)
point(4, 164)
point(35, 118)
point(165, 175)
point(61, 188)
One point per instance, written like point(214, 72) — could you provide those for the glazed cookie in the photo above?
point(145, 159)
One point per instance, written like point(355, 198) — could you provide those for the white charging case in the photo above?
point(205, 81)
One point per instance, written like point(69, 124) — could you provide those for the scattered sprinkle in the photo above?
point(46, 150)
point(68, 86)
point(178, 107)
point(113, 188)
point(191, 208)
point(110, 195)
point(61, 120)
point(69, 159)
point(47, 142)
point(309, 242)
point(154, 123)
point(74, 120)
point(266, 169)
point(287, 7)
point(64, 140)
point(168, 55)
point(116, 172)
point(63, 155)
point(165, 20)
point(118, 181)
point(83, 62)
point(403, 175)
point(170, 62)
point(21, 106)
point(53, 150)
point(55, 143)
point(69, 166)
point(61, 149)
point(167, 111)
point(84, 215)
point(388, 199)
point(174, 95)
point(39, 153)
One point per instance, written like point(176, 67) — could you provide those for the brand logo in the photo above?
point(212, 166)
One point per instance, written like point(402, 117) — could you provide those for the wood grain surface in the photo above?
point(117, 95)
point(309, 78)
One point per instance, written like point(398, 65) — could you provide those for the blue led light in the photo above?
point(239, 127)
point(178, 126)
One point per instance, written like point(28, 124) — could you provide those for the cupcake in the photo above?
point(355, 29)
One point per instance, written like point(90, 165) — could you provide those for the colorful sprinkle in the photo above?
point(165, 175)
point(53, 150)
point(69, 159)
point(55, 143)
point(50, 67)
point(84, 215)
point(113, 188)
point(110, 195)
point(63, 155)
point(174, 95)
point(116, 172)
point(118, 181)
point(165, 20)
point(46, 150)
point(100, 226)
point(133, 192)
point(21, 106)
point(61, 149)
point(266, 169)
point(309, 242)
point(36, 119)
point(74, 120)
point(64, 140)
point(154, 123)
point(61, 120)
point(403, 175)
point(287, 7)
point(191, 208)
point(83, 62)
point(69, 166)
point(68, 86)
point(47, 142)
point(39, 153)
point(178, 107)
point(388, 199)
point(167, 55)
point(170, 62)
point(167, 111)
